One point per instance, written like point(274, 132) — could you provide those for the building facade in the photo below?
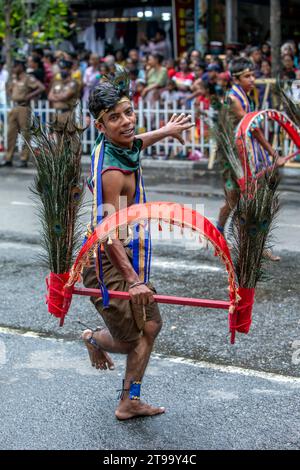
point(107, 25)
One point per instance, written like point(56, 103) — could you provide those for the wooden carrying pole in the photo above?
point(161, 299)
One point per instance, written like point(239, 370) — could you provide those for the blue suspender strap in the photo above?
point(103, 288)
point(141, 236)
point(98, 215)
point(91, 185)
point(141, 243)
point(242, 97)
point(135, 249)
point(95, 184)
point(136, 229)
point(148, 245)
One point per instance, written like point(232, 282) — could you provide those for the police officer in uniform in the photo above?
point(22, 89)
point(64, 93)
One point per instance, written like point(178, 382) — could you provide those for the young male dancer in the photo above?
point(131, 326)
point(240, 104)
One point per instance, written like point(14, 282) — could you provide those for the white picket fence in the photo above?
point(148, 118)
point(154, 116)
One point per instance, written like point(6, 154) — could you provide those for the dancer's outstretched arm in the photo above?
point(174, 128)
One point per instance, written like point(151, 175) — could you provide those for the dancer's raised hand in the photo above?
point(178, 124)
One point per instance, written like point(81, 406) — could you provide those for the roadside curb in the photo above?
point(186, 192)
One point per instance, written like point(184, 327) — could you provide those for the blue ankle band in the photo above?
point(135, 390)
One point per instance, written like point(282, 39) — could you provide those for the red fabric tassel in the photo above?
point(59, 297)
point(242, 184)
point(240, 320)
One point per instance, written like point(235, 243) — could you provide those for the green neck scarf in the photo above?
point(123, 158)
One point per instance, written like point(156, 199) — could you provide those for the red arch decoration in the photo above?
point(244, 129)
point(169, 212)
point(240, 300)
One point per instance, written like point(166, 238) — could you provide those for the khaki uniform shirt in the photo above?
point(21, 87)
point(69, 87)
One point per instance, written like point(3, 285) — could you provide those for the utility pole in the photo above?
point(231, 21)
point(275, 27)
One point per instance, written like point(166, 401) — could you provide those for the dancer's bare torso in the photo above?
point(116, 184)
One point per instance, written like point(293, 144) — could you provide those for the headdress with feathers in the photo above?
point(111, 90)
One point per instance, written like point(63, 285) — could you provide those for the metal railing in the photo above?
point(149, 117)
point(152, 116)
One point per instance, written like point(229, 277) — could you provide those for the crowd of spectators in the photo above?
point(155, 77)
point(191, 80)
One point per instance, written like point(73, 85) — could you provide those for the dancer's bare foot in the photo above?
point(99, 358)
point(268, 254)
point(134, 408)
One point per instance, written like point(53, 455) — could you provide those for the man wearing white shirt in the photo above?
point(3, 100)
point(3, 81)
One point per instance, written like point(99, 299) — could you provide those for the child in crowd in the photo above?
point(202, 103)
point(139, 87)
point(170, 94)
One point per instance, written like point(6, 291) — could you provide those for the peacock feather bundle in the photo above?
point(113, 88)
point(58, 189)
point(250, 229)
point(224, 134)
point(120, 79)
point(291, 108)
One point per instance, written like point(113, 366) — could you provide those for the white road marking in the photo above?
point(233, 369)
point(182, 265)
point(22, 203)
point(179, 360)
point(288, 225)
point(158, 262)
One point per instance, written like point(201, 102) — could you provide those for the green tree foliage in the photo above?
point(41, 21)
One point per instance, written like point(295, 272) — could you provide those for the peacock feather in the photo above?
point(58, 189)
point(223, 131)
point(251, 227)
point(119, 79)
point(291, 108)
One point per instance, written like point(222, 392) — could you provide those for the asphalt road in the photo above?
point(53, 399)
point(217, 395)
